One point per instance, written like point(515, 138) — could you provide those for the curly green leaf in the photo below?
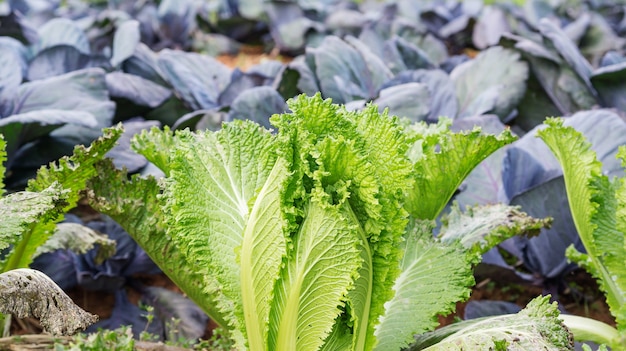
point(480, 228)
point(80, 239)
point(442, 160)
point(536, 327)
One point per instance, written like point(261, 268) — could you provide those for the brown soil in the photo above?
point(250, 56)
point(101, 303)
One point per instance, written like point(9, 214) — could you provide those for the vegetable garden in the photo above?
point(374, 167)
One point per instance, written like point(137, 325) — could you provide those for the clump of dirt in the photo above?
point(250, 56)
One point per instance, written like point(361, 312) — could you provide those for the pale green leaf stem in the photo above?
point(316, 279)
point(262, 252)
point(597, 209)
point(214, 180)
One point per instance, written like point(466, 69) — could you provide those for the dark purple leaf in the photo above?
point(257, 104)
point(83, 90)
point(610, 58)
point(568, 50)
point(99, 278)
point(535, 106)
point(576, 29)
point(16, 26)
point(487, 308)
point(180, 316)
point(412, 56)
point(59, 265)
point(455, 26)
point(22, 128)
point(62, 31)
point(491, 24)
point(113, 274)
point(198, 79)
point(33, 7)
point(126, 314)
point(176, 21)
point(384, 48)
point(345, 73)
point(565, 88)
point(545, 254)
point(528, 163)
point(169, 112)
point(131, 256)
point(148, 25)
point(442, 100)
point(42, 151)
point(606, 131)
point(494, 267)
point(432, 15)
point(532, 179)
point(12, 71)
point(240, 82)
point(408, 100)
point(267, 69)
point(376, 70)
point(289, 26)
point(610, 83)
point(201, 119)
point(125, 41)
point(136, 89)
point(452, 62)
point(61, 59)
point(122, 154)
point(493, 82)
point(144, 63)
point(43, 118)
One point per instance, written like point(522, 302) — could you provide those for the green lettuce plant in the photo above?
point(598, 206)
point(28, 225)
point(318, 235)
